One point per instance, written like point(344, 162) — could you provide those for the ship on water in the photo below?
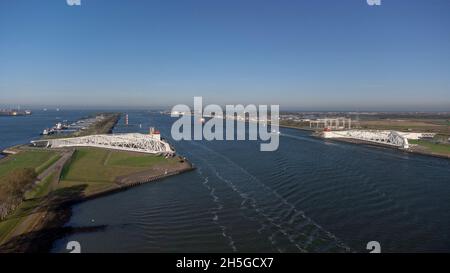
point(14, 112)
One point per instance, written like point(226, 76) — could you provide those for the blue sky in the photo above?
point(310, 55)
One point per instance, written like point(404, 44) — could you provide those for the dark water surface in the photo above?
point(308, 196)
point(23, 129)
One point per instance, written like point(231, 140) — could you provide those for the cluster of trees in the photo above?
point(13, 187)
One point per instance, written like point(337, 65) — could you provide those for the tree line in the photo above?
point(13, 188)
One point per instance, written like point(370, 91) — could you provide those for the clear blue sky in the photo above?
point(315, 54)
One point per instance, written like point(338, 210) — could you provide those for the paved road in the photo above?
point(58, 165)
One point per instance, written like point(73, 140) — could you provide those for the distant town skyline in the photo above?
point(302, 55)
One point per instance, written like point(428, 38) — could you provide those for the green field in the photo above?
point(101, 165)
point(32, 200)
point(134, 159)
point(90, 171)
point(39, 160)
point(433, 147)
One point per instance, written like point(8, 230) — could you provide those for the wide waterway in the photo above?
point(308, 196)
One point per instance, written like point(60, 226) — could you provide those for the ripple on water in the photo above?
point(308, 196)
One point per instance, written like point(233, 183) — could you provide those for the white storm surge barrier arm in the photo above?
point(391, 138)
point(398, 140)
point(125, 142)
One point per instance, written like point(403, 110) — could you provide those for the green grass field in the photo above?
point(39, 160)
point(91, 170)
point(42, 189)
point(101, 165)
point(134, 159)
point(433, 147)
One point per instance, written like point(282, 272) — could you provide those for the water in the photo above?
point(309, 196)
point(22, 129)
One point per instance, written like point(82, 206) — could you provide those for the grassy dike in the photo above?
point(67, 176)
point(38, 160)
point(99, 170)
point(430, 148)
point(87, 173)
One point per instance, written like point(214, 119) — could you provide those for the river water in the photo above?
point(308, 196)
